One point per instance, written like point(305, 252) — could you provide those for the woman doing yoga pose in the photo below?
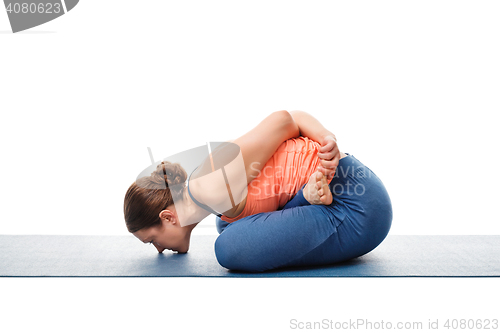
point(297, 208)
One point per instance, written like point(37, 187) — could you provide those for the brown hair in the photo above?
point(148, 196)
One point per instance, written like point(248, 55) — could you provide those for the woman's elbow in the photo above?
point(287, 121)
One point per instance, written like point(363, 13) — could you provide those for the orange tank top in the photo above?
point(281, 178)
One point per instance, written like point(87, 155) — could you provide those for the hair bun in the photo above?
point(169, 173)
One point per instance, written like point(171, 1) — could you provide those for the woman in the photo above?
point(329, 219)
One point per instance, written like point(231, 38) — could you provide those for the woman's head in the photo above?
point(150, 212)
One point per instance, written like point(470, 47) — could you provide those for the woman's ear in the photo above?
point(168, 217)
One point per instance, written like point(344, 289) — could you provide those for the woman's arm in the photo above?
point(256, 146)
point(259, 144)
point(310, 126)
point(329, 153)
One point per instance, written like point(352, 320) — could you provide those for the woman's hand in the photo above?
point(329, 155)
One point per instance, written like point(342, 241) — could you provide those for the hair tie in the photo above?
point(164, 174)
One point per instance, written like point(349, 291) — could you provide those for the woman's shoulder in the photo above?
point(210, 189)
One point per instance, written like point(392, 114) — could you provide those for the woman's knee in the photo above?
point(376, 229)
point(234, 252)
point(220, 224)
point(225, 251)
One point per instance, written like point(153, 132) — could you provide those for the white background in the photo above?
point(409, 87)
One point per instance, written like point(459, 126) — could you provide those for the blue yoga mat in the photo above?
point(125, 256)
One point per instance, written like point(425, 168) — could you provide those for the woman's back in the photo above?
point(280, 179)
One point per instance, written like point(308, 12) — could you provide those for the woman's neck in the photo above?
point(189, 213)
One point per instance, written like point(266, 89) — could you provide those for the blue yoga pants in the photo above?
point(301, 234)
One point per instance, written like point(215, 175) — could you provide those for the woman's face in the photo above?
point(166, 236)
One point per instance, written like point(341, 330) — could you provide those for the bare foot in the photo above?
point(317, 191)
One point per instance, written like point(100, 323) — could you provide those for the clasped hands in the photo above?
point(329, 155)
point(317, 190)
